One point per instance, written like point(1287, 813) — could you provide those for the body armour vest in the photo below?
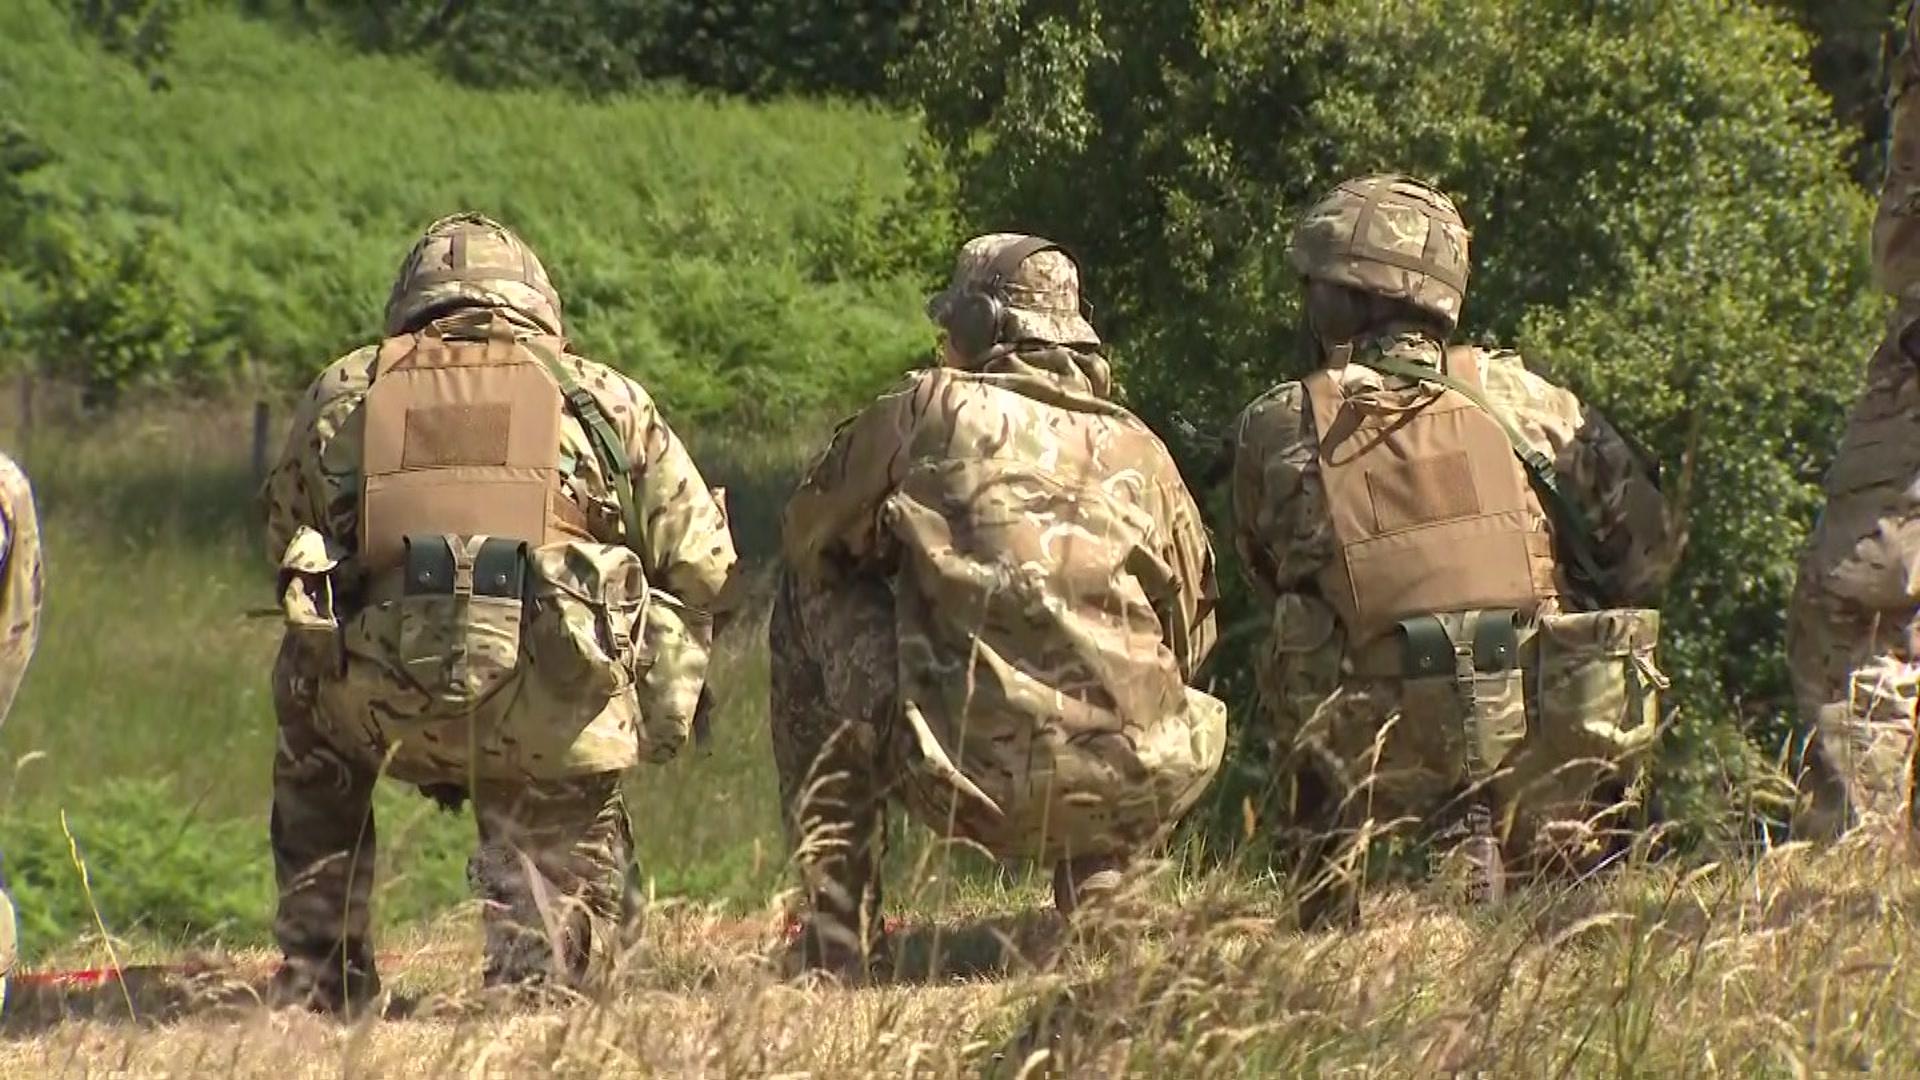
point(1431, 510)
point(462, 438)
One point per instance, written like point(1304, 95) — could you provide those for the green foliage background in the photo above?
point(1663, 220)
point(194, 196)
point(726, 253)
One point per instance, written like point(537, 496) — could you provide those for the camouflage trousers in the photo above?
point(551, 867)
point(834, 683)
point(1493, 794)
point(1852, 620)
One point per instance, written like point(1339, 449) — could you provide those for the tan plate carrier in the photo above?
point(463, 438)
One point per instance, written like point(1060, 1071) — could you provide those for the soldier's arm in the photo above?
point(835, 510)
point(1193, 629)
point(685, 542)
point(311, 485)
point(1636, 540)
point(1273, 447)
point(20, 582)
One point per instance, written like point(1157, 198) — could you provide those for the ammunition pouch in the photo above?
point(460, 612)
point(1467, 664)
point(589, 603)
point(1574, 791)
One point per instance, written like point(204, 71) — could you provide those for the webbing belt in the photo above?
point(1489, 644)
point(1575, 531)
point(606, 442)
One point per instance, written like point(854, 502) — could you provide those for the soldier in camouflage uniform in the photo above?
point(995, 591)
point(20, 577)
point(1851, 624)
point(1383, 516)
point(624, 533)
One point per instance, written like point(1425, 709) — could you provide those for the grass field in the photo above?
point(1793, 964)
point(145, 722)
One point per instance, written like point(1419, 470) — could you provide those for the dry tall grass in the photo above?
point(1792, 964)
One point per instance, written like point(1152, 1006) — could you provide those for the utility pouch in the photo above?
point(1599, 687)
point(588, 604)
point(1467, 665)
point(460, 613)
point(677, 643)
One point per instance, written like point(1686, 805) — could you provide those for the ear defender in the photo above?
point(974, 315)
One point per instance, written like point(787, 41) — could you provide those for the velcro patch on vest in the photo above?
point(447, 435)
point(1423, 490)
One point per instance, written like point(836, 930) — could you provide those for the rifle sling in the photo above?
point(606, 442)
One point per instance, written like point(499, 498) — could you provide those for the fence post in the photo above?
point(26, 413)
point(260, 420)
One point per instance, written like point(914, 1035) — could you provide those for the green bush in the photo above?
point(740, 46)
point(1663, 220)
point(250, 218)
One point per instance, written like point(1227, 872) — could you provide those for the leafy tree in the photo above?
point(1663, 220)
point(1853, 41)
point(741, 46)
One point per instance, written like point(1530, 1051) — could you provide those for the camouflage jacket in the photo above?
point(684, 548)
point(20, 581)
point(1285, 537)
point(1054, 592)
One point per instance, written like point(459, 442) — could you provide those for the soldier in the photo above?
point(1423, 523)
point(995, 591)
point(495, 561)
point(1851, 622)
point(20, 577)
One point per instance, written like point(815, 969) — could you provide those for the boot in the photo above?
point(319, 982)
point(1086, 882)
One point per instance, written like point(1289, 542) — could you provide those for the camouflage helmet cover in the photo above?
point(471, 260)
point(1391, 236)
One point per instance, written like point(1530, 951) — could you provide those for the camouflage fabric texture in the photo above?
point(1851, 624)
point(1053, 590)
point(363, 686)
point(1374, 750)
point(466, 261)
point(21, 580)
point(834, 671)
point(551, 867)
point(1390, 236)
point(685, 550)
point(1042, 293)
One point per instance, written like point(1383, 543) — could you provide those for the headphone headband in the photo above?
point(1008, 261)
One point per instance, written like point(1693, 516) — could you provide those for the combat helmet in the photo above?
point(1391, 236)
point(471, 260)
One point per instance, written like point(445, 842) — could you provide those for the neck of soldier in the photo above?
point(1408, 337)
point(476, 323)
point(1084, 372)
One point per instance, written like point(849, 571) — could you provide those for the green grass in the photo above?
point(735, 256)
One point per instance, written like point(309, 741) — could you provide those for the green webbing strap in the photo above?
point(1575, 530)
point(606, 442)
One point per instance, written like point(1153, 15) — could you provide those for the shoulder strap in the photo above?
point(1573, 527)
point(606, 442)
